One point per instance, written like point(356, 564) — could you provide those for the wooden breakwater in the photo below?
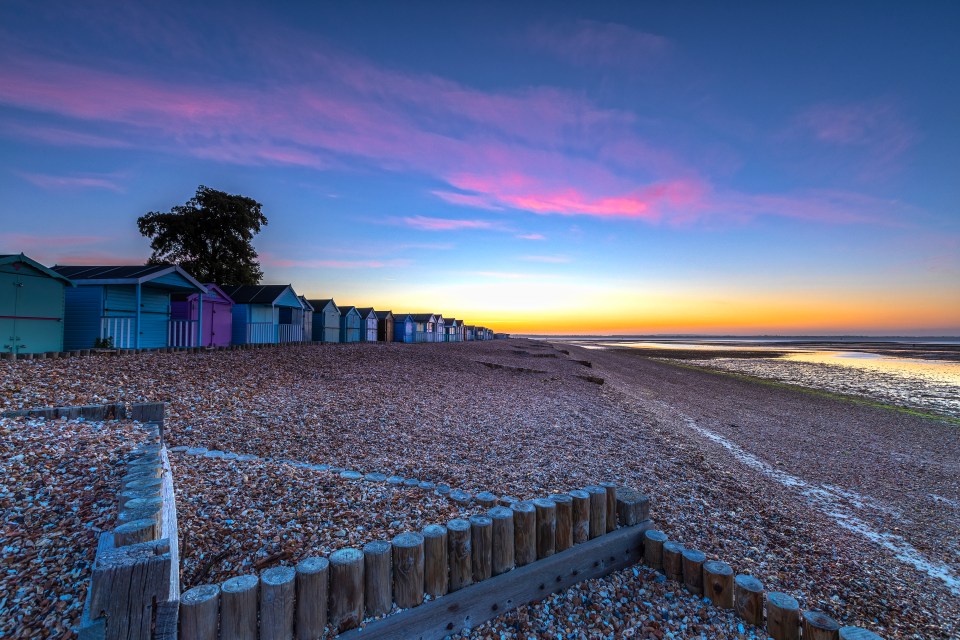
point(443, 579)
point(135, 584)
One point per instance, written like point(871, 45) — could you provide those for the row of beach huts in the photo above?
point(66, 308)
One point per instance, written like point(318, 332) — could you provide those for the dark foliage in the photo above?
point(211, 236)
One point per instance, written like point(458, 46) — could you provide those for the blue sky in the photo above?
point(683, 168)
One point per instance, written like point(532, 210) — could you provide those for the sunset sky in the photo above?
point(534, 167)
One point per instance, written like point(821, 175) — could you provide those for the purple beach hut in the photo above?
point(215, 306)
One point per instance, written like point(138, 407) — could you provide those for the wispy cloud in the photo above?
point(466, 200)
point(426, 223)
point(875, 129)
point(88, 181)
point(603, 44)
point(272, 261)
point(532, 236)
point(547, 259)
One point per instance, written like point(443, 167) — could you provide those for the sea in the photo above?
point(914, 372)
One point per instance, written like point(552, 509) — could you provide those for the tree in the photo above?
point(210, 236)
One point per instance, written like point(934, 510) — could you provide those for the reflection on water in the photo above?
point(924, 384)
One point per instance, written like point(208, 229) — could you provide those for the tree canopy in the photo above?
point(211, 236)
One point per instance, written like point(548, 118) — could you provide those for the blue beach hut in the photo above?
point(31, 306)
point(326, 320)
point(350, 324)
point(403, 327)
point(368, 324)
point(266, 314)
point(127, 305)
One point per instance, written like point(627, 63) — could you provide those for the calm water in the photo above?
point(918, 382)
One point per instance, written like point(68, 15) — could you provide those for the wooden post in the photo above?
point(673, 560)
point(693, 570)
point(486, 499)
point(378, 581)
point(632, 507)
point(546, 527)
point(718, 583)
point(408, 569)
point(611, 511)
point(783, 616)
point(238, 607)
point(460, 554)
point(313, 581)
point(200, 613)
point(436, 566)
point(277, 587)
point(564, 538)
point(502, 543)
point(524, 533)
point(819, 626)
point(481, 536)
point(581, 516)
point(598, 510)
point(346, 589)
point(129, 584)
point(748, 599)
point(653, 549)
point(856, 633)
point(136, 531)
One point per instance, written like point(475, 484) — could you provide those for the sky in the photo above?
point(612, 168)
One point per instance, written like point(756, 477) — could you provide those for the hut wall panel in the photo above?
point(154, 317)
point(38, 296)
point(81, 318)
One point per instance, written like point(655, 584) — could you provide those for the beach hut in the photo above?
point(469, 333)
point(127, 306)
point(452, 330)
point(368, 324)
point(404, 327)
point(439, 328)
point(31, 306)
point(326, 320)
point(423, 330)
point(307, 319)
point(188, 329)
point(479, 333)
point(350, 324)
point(385, 326)
point(266, 314)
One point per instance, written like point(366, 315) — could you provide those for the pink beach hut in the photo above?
point(216, 309)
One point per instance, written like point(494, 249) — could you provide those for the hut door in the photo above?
point(10, 299)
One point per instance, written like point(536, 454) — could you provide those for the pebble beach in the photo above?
point(852, 509)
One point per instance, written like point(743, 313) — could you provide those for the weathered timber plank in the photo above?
point(483, 601)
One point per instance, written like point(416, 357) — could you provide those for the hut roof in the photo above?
point(124, 274)
point(345, 309)
point(257, 293)
point(383, 315)
point(306, 303)
point(13, 258)
point(423, 317)
point(319, 304)
point(365, 312)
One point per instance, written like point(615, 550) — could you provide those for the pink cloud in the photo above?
point(532, 236)
point(62, 137)
point(605, 44)
point(652, 202)
point(71, 182)
point(448, 224)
